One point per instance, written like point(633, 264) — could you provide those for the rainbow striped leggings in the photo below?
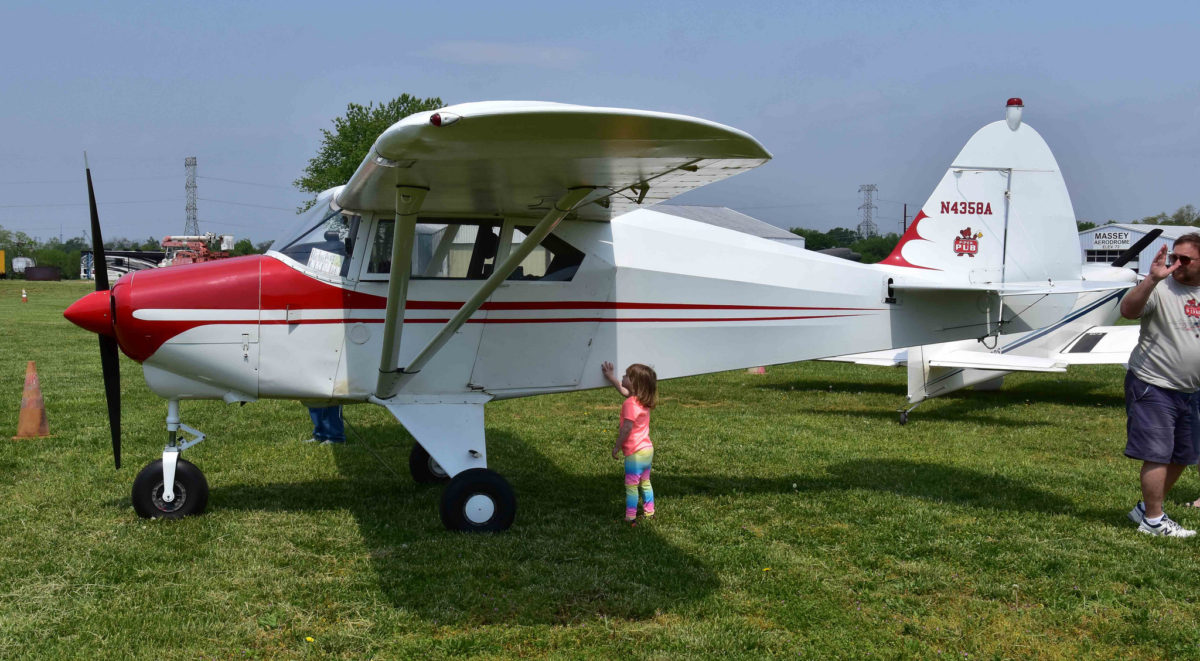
point(637, 476)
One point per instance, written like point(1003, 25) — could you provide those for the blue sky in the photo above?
point(841, 93)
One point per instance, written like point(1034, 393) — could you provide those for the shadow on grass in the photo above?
point(1075, 393)
point(568, 557)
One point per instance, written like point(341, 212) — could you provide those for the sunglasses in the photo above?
point(1182, 259)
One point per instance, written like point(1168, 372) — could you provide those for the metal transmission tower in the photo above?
point(867, 227)
point(191, 226)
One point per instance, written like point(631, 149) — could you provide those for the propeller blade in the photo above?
point(109, 361)
point(1136, 249)
point(112, 392)
point(99, 262)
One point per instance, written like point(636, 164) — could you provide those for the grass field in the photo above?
point(796, 519)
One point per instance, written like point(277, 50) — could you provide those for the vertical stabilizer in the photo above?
point(1001, 214)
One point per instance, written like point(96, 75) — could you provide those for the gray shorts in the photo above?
point(1160, 424)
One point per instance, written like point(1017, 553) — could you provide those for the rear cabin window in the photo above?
point(467, 251)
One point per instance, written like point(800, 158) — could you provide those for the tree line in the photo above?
point(65, 254)
point(1184, 215)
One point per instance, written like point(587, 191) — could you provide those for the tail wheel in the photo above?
point(478, 500)
point(191, 491)
point(423, 468)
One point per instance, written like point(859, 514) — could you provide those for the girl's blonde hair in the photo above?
point(643, 383)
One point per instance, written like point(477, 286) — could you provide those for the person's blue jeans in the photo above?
point(327, 423)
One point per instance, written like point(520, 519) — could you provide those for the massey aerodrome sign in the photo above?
point(1112, 239)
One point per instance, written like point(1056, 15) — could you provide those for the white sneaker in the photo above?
point(1138, 512)
point(311, 440)
point(1165, 528)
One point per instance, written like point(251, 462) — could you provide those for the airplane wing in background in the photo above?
point(1100, 345)
point(516, 158)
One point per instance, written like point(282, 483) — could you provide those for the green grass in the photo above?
point(796, 519)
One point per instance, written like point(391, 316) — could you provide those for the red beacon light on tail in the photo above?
point(1012, 114)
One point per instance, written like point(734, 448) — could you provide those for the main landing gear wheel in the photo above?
point(423, 468)
point(904, 417)
point(478, 500)
point(191, 491)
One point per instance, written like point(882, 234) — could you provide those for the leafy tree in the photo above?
point(813, 239)
point(1185, 215)
point(874, 249)
point(151, 243)
point(842, 237)
point(344, 148)
point(264, 246)
point(1082, 225)
point(243, 247)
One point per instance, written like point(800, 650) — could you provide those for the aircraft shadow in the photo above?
point(567, 558)
point(1078, 392)
point(940, 483)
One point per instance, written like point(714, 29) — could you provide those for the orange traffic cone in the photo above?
point(32, 422)
point(24, 296)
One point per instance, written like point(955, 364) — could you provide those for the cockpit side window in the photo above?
point(459, 250)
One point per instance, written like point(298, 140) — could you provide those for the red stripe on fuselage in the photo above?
point(257, 282)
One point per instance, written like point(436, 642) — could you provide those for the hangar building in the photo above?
point(1103, 244)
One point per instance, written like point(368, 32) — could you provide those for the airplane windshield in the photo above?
point(323, 240)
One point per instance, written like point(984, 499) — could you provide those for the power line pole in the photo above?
point(867, 227)
point(191, 227)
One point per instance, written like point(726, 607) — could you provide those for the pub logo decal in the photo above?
point(1192, 308)
point(967, 243)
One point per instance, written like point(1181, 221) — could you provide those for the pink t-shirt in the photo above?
point(639, 436)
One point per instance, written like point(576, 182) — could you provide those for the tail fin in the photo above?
point(1001, 214)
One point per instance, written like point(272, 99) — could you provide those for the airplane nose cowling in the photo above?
point(93, 312)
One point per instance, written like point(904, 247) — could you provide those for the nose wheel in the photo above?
point(478, 500)
point(190, 491)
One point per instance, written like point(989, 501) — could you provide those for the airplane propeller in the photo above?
point(1136, 248)
point(108, 343)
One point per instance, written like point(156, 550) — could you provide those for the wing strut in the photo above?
point(397, 378)
point(408, 204)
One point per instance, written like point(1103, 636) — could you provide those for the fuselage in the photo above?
point(683, 296)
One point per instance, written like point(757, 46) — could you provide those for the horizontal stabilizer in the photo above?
point(1015, 288)
point(980, 360)
point(1100, 345)
point(885, 358)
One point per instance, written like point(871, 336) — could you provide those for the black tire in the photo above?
point(191, 491)
point(904, 417)
point(470, 495)
point(423, 468)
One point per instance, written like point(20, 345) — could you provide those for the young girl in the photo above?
point(640, 388)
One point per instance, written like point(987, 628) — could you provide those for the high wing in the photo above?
point(519, 157)
point(525, 159)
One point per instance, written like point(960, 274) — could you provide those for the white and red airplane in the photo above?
point(506, 249)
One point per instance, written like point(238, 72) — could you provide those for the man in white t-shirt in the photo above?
point(1163, 379)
